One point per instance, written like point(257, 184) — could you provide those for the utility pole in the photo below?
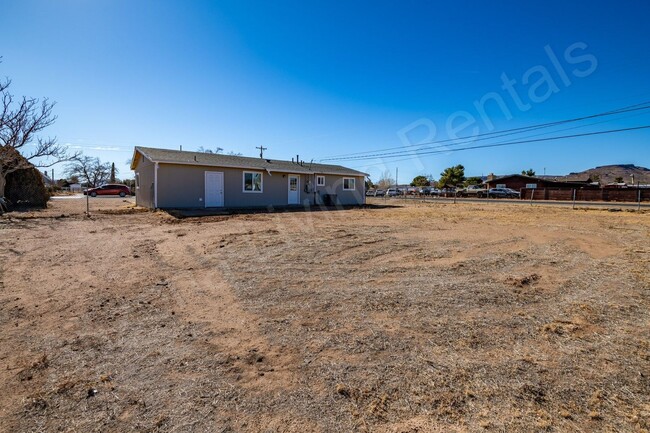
point(262, 149)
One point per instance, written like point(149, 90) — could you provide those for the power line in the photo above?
point(490, 135)
point(509, 143)
point(446, 146)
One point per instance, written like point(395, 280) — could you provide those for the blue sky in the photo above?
point(321, 79)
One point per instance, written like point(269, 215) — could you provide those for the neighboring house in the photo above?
point(519, 181)
point(177, 179)
point(75, 187)
point(47, 181)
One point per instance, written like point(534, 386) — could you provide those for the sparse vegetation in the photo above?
point(358, 320)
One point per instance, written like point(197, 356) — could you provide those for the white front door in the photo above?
point(213, 189)
point(294, 189)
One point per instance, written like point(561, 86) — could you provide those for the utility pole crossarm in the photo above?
point(262, 149)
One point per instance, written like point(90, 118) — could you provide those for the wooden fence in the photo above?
point(602, 194)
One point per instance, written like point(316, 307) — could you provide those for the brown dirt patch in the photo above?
point(419, 318)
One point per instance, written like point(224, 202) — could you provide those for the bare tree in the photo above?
point(21, 120)
point(90, 170)
point(386, 181)
point(218, 150)
point(206, 150)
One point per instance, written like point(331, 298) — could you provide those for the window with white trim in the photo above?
point(137, 181)
point(531, 185)
point(501, 185)
point(320, 180)
point(252, 181)
point(349, 183)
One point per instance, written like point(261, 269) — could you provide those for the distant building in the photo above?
point(519, 181)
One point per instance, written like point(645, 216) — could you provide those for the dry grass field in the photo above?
point(418, 318)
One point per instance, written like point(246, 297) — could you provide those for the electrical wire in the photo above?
point(486, 136)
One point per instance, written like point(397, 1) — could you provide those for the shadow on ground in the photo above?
point(193, 213)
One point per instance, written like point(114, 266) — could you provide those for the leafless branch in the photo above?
point(90, 169)
point(21, 121)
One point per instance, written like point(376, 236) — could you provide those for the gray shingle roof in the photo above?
point(233, 161)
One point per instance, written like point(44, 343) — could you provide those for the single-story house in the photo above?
point(75, 187)
point(173, 179)
point(519, 181)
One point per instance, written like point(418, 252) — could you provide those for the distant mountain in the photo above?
point(608, 174)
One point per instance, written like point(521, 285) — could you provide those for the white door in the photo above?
point(213, 189)
point(294, 189)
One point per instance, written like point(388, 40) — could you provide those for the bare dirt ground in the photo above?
point(427, 317)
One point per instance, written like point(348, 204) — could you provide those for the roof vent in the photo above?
point(268, 160)
point(194, 158)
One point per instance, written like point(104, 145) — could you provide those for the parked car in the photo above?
point(503, 193)
point(392, 192)
point(448, 192)
point(425, 190)
point(434, 191)
point(109, 189)
point(375, 193)
point(514, 193)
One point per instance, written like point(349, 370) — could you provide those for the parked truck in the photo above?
point(478, 191)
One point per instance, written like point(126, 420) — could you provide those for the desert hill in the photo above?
point(609, 173)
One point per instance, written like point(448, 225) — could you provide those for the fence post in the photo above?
point(638, 191)
point(574, 198)
point(532, 195)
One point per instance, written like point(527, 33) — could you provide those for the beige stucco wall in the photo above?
point(144, 194)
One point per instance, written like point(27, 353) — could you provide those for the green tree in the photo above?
point(475, 180)
point(369, 185)
point(420, 181)
point(452, 176)
point(529, 172)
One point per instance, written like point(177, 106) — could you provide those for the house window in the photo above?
point(501, 185)
point(252, 181)
point(531, 185)
point(137, 181)
point(348, 183)
point(320, 180)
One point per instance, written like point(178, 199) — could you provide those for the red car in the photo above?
point(109, 189)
